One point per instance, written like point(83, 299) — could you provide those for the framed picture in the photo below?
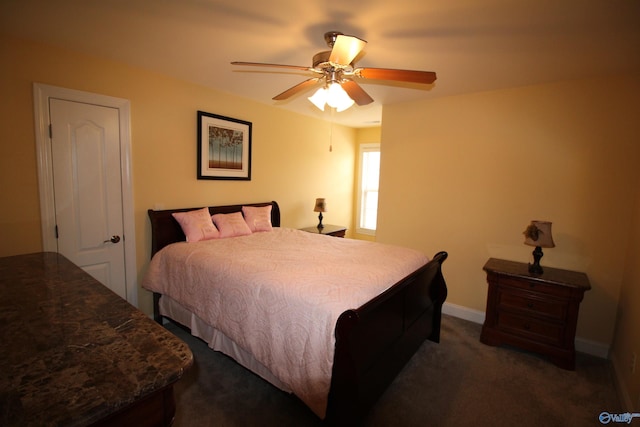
point(224, 147)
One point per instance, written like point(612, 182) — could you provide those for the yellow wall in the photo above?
point(463, 174)
point(291, 162)
point(363, 136)
point(466, 174)
point(627, 337)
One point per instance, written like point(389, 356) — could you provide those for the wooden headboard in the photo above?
point(166, 230)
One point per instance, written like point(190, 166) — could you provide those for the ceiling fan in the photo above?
point(336, 69)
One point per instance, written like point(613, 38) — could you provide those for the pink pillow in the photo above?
point(258, 218)
point(231, 225)
point(197, 225)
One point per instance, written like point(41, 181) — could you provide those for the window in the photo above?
point(368, 188)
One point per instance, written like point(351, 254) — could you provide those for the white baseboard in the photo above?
point(627, 405)
point(593, 348)
point(465, 313)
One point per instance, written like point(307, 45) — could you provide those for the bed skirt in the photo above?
point(216, 340)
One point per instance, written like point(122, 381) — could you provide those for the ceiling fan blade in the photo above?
point(261, 64)
point(295, 89)
point(412, 76)
point(345, 49)
point(355, 92)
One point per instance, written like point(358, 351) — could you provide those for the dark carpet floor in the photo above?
point(458, 382)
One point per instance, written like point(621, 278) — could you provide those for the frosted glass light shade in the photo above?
point(338, 98)
point(319, 98)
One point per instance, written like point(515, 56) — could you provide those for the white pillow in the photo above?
point(258, 218)
point(231, 225)
point(197, 225)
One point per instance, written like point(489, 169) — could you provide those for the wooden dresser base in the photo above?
point(537, 313)
point(158, 409)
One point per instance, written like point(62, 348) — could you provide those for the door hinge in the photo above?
point(56, 230)
point(50, 131)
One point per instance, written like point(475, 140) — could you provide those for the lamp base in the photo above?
point(320, 226)
point(535, 268)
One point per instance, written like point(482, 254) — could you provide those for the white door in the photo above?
point(87, 184)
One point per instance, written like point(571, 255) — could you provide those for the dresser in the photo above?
point(328, 229)
point(537, 313)
point(74, 353)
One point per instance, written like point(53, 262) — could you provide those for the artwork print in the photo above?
point(224, 147)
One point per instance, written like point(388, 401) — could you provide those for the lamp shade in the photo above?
point(538, 233)
point(321, 205)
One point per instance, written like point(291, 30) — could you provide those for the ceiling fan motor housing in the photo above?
point(320, 59)
point(331, 36)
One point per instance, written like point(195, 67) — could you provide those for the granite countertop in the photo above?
point(74, 352)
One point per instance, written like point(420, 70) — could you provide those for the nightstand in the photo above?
point(329, 230)
point(537, 313)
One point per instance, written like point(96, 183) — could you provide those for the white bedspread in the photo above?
point(278, 294)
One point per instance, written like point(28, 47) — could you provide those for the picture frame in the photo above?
point(224, 147)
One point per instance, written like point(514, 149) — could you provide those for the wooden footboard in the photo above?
point(375, 341)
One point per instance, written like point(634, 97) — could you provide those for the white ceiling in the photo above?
point(472, 45)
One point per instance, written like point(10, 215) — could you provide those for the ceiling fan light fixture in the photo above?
point(338, 98)
point(319, 99)
point(345, 104)
point(334, 96)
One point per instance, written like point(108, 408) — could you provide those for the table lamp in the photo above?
point(538, 234)
point(321, 206)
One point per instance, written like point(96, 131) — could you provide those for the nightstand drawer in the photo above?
point(531, 303)
point(531, 328)
point(532, 286)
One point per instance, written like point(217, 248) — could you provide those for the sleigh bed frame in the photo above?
point(373, 341)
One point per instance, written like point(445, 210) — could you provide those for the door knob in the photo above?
point(113, 239)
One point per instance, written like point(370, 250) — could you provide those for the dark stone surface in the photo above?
point(73, 352)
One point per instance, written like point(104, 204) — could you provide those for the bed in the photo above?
point(366, 344)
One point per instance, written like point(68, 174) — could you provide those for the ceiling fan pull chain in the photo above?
point(331, 134)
